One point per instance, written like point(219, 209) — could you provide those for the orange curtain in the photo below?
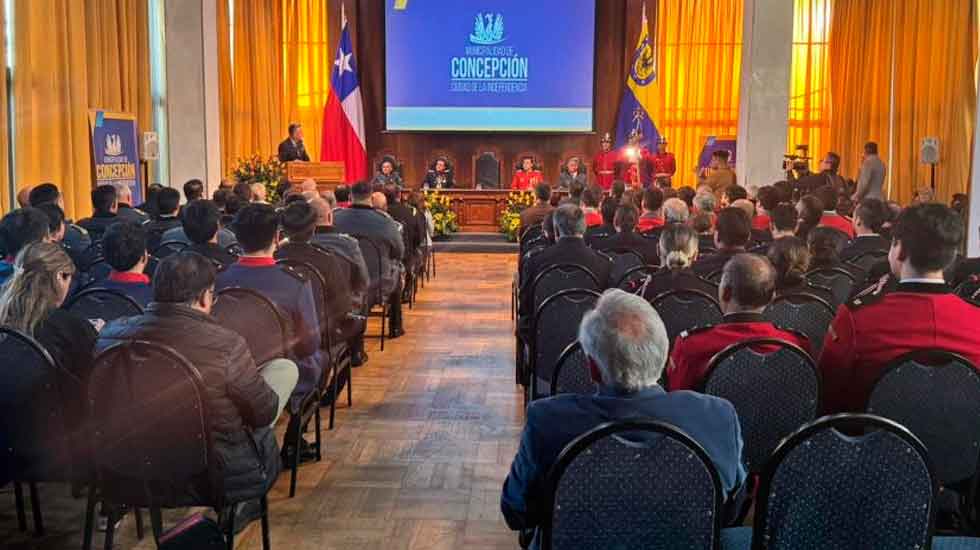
point(306, 56)
point(918, 55)
point(258, 110)
point(226, 89)
point(71, 57)
point(809, 101)
point(699, 51)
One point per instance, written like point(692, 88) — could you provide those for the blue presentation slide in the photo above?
point(490, 66)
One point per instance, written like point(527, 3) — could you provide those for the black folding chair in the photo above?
point(865, 262)
point(805, 313)
point(826, 487)
point(714, 276)
point(529, 234)
point(375, 296)
point(634, 278)
point(683, 310)
point(152, 439)
point(571, 374)
point(841, 283)
point(96, 271)
point(633, 484)
point(936, 395)
point(101, 303)
point(969, 290)
point(169, 248)
point(41, 407)
point(560, 277)
point(775, 388)
point(666, 280)
point(554, 327)
point(623, 259)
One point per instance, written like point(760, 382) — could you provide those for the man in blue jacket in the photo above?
point(626, 345)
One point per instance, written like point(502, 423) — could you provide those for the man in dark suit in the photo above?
point(732, 233)
point(104, 206)
point(569, 249)
point(869, 216)
point(594, 235)
point(408, 216)
point(168, 203)
point(626, 346)
point(200, 221)
point(626, 238)
point(125, 251)
point(292, 148)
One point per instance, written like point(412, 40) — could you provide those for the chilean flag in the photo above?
point(343, 117)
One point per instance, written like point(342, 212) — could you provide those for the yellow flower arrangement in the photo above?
point(444, 220)
point(510, 220)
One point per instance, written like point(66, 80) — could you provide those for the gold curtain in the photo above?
point(71, 57)
point(307, 67)
point(5, 200)
point(699, 52)
point(928, 49)
point(259, 114)
point(809, 96)
point(226, 87)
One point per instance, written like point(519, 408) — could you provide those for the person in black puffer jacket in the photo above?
point(243, 401)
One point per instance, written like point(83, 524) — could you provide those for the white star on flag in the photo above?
point(343, 62)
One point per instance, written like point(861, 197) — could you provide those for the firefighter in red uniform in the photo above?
point(604, 164)
point(865, 336)
point(527, 177)
point(664, 164)
point(743, 305)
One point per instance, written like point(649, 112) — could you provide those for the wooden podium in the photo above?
point(327, 175)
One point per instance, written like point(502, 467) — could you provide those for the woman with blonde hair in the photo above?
point(678, 252)
point(30, 302)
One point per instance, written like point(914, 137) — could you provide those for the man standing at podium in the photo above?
point(292, 148)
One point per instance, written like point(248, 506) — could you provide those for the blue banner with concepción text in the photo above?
point(115, 155)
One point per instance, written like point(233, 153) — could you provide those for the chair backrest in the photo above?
point(969, 290)
point(840, 282)
point(635, 484)
point(684, 309)
point(556, 278)
point(936, 395)
point(372, 253)
point(256, 319)
point(95, 271)
point(804, 313)
point(235, 249)
point(775, 388)
point(151, 431)
point(101, 303)
point(868, 260)
point(825, 489)
point(714, 276)
point(624, 259)
point(571, 374)
point(169, 248)
point(318, 284)
point(554, 327)
point(632, 280)
point(35, 440)
point(486, 170)
point(529, 234)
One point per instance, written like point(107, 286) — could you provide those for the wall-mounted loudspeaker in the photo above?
point(929, 150)
point(150, 149)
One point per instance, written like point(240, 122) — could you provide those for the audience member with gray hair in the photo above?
point(675, 211)
point(748, 283)
point(626, 237)
point(626, 345)
point(705, 202)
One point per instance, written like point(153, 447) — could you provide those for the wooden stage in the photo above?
point(419, 460)
point(478, 210)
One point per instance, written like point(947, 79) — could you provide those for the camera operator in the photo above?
point(827, 176)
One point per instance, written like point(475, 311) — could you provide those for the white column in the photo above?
point(973, 227)
point(763, 113)
point(193, 112)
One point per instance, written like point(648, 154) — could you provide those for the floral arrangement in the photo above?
point(269, 172)
point(510, 220)
point(443, 217)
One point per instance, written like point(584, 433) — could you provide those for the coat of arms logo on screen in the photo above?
point(488, 29)
point(113, 145)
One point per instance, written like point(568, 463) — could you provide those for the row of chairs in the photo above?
point(844, 481)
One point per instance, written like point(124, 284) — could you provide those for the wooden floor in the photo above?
point(417, 463)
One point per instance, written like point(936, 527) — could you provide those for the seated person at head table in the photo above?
point(626, 345)
point(527, 177)
point(387, 174)
point(440, 176)
point(572, 172)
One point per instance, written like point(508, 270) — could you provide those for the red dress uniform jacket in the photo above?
point(593, 219)
point(865, 336)
point(526, 180)
point(604, 168)
point(663, 163)
point(832, 219)
point(761, 222)
point(694, 350)
point(648, 223)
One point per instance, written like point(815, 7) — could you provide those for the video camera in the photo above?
point(797, 165)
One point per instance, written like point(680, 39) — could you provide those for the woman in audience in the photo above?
point(791, 258)
point(678, 251)
point(825, 245)
point(31, 303)
point(811, 210)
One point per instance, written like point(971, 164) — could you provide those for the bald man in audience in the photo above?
point(748, 283)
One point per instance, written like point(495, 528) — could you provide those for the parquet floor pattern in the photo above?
point(417, 463)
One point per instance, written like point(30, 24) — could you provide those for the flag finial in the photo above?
point(343, 15)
